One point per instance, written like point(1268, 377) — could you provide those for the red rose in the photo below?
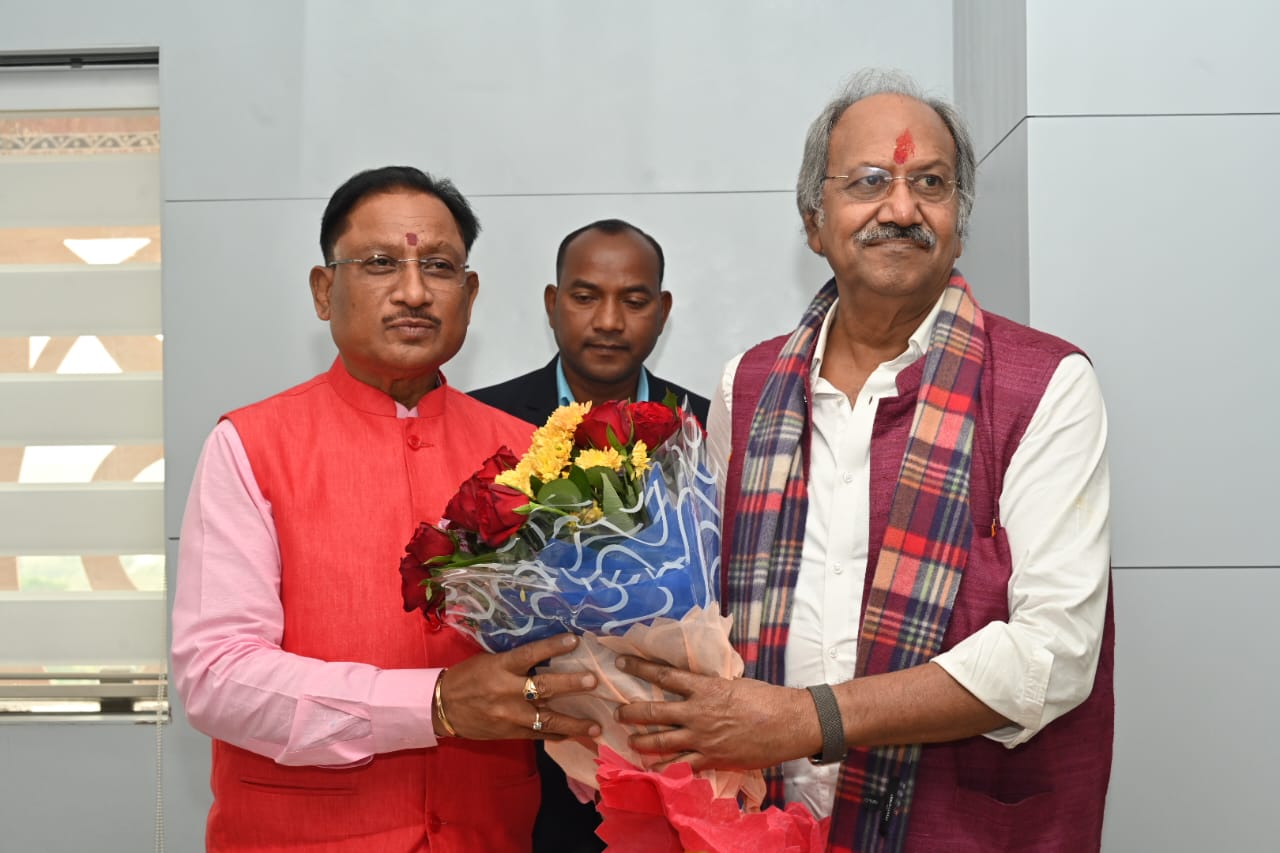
point(503, 460)
point(487, 509)
point(654, 423)
point(596, 424)
point(427, 542)
point(414, 592)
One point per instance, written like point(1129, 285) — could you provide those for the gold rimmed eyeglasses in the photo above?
point(870, 183)
point(434, 270)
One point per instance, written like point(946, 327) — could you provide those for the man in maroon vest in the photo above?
point(341, 722)
point(916, 528)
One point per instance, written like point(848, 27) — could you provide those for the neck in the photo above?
point(584, 390)
point(406, 391)
point(875, 328)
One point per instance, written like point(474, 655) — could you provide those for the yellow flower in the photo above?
point(591, 458)
point(548, 455)
point(515, 478)
point(640, 458)
point(590, 515)
point(566, 418)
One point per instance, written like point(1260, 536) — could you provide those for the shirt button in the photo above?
point(414, 442)
point(837, 568)
point(848, 478)
point(831, 653)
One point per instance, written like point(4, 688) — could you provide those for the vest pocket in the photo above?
point(1025, 825)
point(511, 781)
point(267, 786)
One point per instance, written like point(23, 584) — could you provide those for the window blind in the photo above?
point(82, 547)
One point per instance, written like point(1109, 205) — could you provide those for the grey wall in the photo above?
point(686, 118)
point(1127, 180)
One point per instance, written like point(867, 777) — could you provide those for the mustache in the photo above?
point(917, 234)
point(414, 314)
point(606, 342)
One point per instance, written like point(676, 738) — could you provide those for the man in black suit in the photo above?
point(607, 310)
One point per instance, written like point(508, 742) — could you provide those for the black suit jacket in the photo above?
point(534, 396)
point(564, 825)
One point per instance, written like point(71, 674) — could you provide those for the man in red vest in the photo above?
point(341, 722)
point(916, 542)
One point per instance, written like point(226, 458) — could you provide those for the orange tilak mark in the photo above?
point(411, 238)
point(904, 149)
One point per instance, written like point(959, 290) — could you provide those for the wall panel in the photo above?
point(1196, 755)
point(1092, 57)
point(995, 259)
point(514, 98)
point(1165, 279)
point(991, 68)
point(75, 787)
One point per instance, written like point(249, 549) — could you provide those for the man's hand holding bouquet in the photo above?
point(608, 527)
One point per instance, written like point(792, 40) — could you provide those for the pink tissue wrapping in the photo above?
point(650, 812)
point(698, 642)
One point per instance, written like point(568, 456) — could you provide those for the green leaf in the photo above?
point(560, 493)
point(612, 477)
point(594, 477)
point(614, 443)
point(580, 479)
point(598, 475)
point(612, 506)
point(610, 503)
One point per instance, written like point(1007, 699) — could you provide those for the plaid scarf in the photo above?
point(924, 551)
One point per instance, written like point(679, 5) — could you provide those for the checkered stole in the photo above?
point(924, 551)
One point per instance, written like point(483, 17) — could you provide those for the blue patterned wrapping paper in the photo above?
point(599, 579)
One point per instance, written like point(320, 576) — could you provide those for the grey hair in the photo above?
point(864, 84)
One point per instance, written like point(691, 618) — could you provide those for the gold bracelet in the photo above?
point(438, 703)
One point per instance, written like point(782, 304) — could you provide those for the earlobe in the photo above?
point(665, 299)
point(812, 222)
point(321, 287)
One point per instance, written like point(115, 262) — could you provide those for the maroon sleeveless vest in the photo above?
point(975, 795)
point(348, 483)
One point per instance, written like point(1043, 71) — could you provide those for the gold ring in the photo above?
point(537, 720)
point(530, 690)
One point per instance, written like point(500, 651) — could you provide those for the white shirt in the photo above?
point(1054, 507)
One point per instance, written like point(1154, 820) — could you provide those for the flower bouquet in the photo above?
point(585, 533)
point(608, 527)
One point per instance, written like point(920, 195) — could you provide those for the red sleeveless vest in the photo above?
point(976, 795)
point(348, 483)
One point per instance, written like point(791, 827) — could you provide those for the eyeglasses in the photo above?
point(435, 271)
point(872, 184)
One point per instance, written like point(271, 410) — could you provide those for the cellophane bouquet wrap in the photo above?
point(612, 536)
point(608, 527)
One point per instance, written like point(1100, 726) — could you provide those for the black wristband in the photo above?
point(833, 745)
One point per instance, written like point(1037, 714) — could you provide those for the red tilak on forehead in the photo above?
point(411, 238)
point(905, 147)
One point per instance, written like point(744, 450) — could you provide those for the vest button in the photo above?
point(414, 442)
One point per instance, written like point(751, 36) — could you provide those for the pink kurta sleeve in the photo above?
point(236, 682)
